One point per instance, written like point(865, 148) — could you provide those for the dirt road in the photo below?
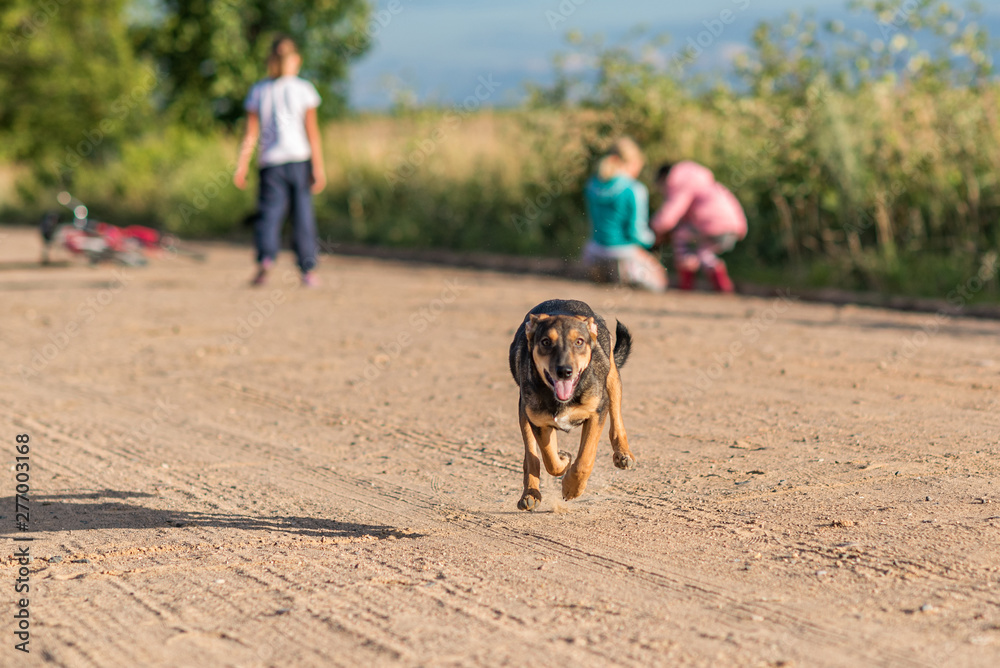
point(228, 477)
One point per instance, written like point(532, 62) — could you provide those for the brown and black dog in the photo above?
point(562, 361)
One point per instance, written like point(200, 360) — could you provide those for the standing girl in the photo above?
point(281, 112)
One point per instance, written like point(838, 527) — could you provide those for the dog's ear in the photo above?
point(532, 322)
point(591, 325)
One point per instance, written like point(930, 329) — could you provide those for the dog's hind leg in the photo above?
point(555, 460)
point(622, 456)
point(575, 480)
point(532, 495)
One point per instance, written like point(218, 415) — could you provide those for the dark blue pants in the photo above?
point(284, 189)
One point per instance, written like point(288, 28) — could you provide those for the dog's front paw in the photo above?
point(564, 461)
point(624, 460)
point(572, 486)
point(531, 499)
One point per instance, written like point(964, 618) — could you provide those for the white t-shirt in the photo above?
point(282, 104)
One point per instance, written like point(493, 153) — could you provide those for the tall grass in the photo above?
point(491, 181)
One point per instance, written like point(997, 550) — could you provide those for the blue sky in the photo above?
point(440, 48)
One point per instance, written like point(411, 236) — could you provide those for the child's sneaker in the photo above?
point(261, 277)
point(685, 280)
point(720, 278)
point(310, 280)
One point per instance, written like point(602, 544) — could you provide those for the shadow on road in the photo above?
point(22, 265)
point(71, 512)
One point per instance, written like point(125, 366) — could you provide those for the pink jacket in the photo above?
point(692, 195)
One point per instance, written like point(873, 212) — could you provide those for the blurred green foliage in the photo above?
point(71, 88)
point(863, 158)
point(79, 78)
point(209, 52)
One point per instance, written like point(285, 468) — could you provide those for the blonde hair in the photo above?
point(282, 50)
point(622, 152)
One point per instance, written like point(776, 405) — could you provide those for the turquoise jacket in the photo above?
point(619, 212)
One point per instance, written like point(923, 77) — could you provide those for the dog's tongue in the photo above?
point(564, 389)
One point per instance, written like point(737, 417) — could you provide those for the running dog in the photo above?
point(562, 361)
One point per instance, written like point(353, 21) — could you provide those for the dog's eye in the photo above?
point(546, 343)
point(579, 343)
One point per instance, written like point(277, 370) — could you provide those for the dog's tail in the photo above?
point(623, 345)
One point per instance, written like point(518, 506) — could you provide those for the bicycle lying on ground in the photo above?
point(102, 242)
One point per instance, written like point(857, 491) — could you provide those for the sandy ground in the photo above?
point(228, 477)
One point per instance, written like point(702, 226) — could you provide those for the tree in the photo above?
point(70, 86)
point(210, 52)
